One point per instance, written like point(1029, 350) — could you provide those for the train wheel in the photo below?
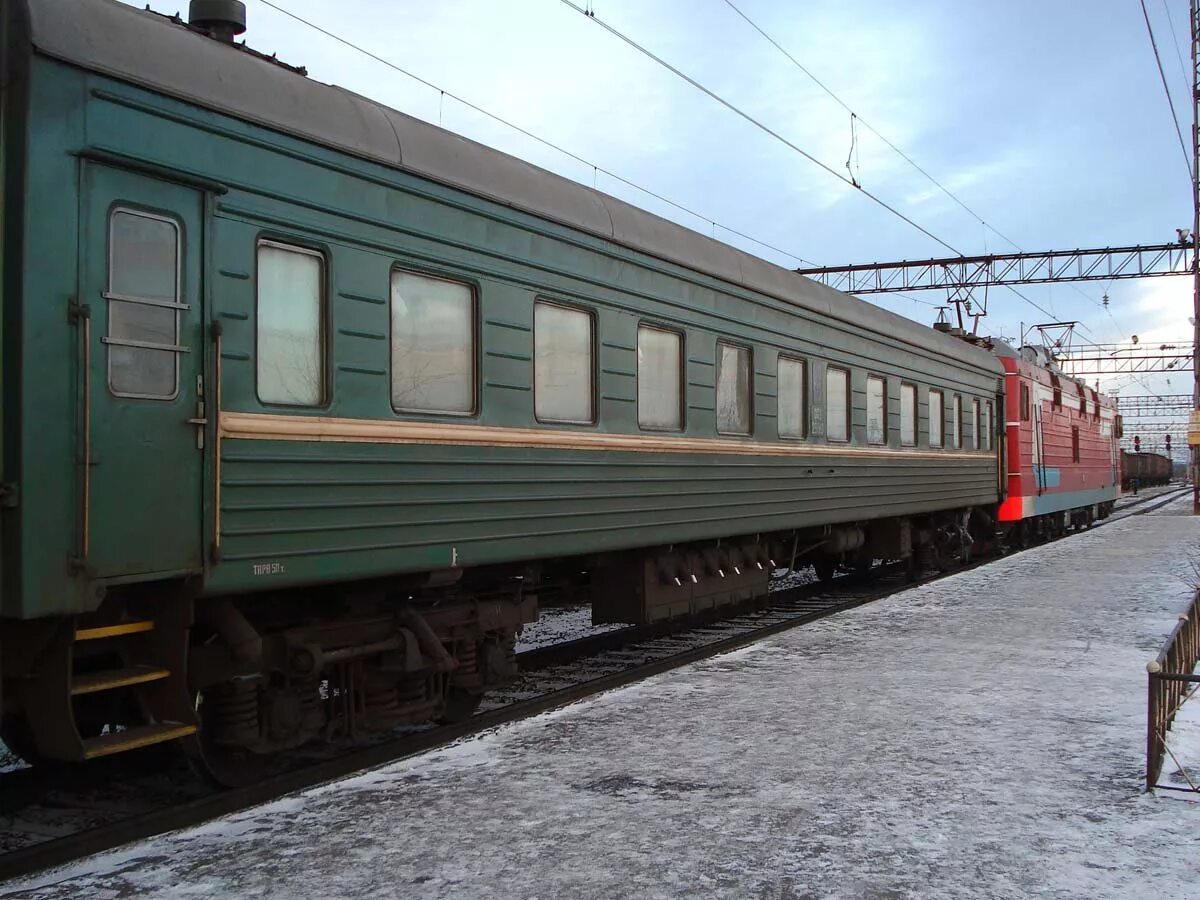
point(224, 765)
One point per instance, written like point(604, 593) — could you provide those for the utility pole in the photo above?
point(1194, 22)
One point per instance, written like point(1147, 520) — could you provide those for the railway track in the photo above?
point(51, 817)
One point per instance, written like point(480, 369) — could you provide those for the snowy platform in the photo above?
point(981, 736)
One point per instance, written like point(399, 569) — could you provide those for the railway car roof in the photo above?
point(160, 54)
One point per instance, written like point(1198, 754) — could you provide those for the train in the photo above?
point(1140, 470)
point(307, 402)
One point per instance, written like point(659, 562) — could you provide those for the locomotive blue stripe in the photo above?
point(1051, 503)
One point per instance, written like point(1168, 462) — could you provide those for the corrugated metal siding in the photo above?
point(332, 511)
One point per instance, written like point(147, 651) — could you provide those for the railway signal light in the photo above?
point(1167, 438)
point(1137, 444)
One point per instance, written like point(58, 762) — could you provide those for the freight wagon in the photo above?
point(1146, 469)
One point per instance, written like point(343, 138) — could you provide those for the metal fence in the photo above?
point(1171, 682)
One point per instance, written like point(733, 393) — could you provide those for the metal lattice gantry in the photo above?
point(1154, 405)
point(1116, 359)
point(1044, 267)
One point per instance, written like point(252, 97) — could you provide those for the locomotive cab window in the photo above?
point(659, 379)
point(793, 397)
point(291, 332)
point(433, 344)
point(908, 415)
point(837, 404)
point(143, 305)
point(936, 418)
point(876, 410)
point(734, 389)
point(976, 424)
point(563, 370)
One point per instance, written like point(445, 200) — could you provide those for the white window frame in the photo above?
point(680, 374)
point(804, 390)
point(111, 296)
point(883, 384)
point(721, 342)
point(849, 404)
point(591, 316)
point(474, 317)
point(909, 439)
point(322, 319)
point(940, 419)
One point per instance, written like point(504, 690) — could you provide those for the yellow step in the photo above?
point(110, 679)
point(106, 631)
point(135, 738)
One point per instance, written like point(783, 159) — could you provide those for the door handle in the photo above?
point(200, 419)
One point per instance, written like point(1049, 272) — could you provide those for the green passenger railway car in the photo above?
point(306, 401)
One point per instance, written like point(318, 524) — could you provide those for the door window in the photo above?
point(143, 305)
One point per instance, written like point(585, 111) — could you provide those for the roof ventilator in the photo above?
point(222, 19)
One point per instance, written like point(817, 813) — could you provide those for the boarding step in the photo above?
point(119, 629)
point(135, 738)
point(111, 679)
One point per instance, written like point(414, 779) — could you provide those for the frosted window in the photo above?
point(936, 416)
point(733, 389)
point(956, 423)
point(876, 410)
point(976, 424)
point(659, 379)
point(908, 415)
point(143, 315)
point(433, 345)
point(837, 404)
point(290, 334)
point(562, 364)
point(793, 397)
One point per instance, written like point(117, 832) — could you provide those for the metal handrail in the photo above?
point(1169, 676)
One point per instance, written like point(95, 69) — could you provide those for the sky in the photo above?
point(1047, 118)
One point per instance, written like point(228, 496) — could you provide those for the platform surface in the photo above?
point(982, 736)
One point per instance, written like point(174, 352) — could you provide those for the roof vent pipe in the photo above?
point(222, 19)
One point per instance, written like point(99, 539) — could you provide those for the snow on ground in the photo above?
point(560, 623)
point(981, 736)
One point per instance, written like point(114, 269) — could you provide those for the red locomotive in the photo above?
point(1062, 448)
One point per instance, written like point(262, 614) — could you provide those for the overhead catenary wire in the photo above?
point(1175, 43)
point(867, 125)
point(1166, 90)
point(597, 168)
point(761, 126)
point(855, 117)
point(529, 134)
